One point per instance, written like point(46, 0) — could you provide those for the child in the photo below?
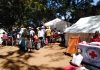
point(36, 41)
point(29, 43)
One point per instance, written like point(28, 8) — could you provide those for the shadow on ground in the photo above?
point(17, 65)
point(17, 60)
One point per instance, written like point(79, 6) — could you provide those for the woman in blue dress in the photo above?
point(23, 42)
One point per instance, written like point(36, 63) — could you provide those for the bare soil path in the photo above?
point(47, 58)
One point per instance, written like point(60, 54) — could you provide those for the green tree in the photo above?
point(21, 11)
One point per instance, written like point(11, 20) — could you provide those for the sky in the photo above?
point(95, 2)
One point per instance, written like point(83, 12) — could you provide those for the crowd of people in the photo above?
point(28, 38)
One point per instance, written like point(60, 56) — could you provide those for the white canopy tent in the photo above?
point(62, 25)
point(58, 24)
point(1, 34)
point(52, 22)
point(85, 25)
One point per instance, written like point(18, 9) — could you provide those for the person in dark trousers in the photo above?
point(63, 39)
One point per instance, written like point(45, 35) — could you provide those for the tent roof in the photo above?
point(52, 22)
point(58, 24)
point(62, 25)
point(86, 25)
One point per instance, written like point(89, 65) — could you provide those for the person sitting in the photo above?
point(96, 37)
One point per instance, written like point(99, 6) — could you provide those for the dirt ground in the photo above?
point(47, 58)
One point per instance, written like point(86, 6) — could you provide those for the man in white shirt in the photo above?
point(32, 32)
point(22, 30)
point(41, 35)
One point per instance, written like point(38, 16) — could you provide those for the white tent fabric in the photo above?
point(58, 24)
point(1, 35)
point(85, 25)
point(52, 22)
point(62, 25)
point(1, 39)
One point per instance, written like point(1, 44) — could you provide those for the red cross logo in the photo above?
point(92, 54)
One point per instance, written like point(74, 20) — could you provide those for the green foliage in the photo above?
point(21, 11)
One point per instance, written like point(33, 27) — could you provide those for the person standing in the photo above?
point(32, 32)
point(36, 40)
point(41, 35)
point(29, 43)
point(43, 30)
point(23, 41)
point(48, 34)
point(5, 38)
point(18, 38)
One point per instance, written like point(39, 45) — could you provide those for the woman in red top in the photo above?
point(96, 37)
point(5, 38)
point(36, 41)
